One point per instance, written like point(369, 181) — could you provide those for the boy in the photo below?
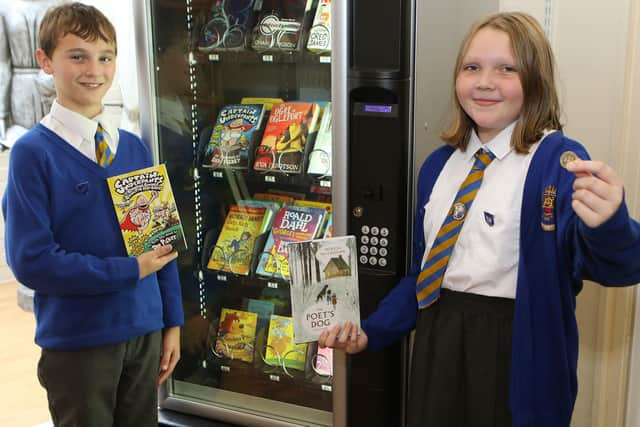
point(108, 324)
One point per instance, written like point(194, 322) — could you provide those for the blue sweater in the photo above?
point(63, 241)
point(552, 266)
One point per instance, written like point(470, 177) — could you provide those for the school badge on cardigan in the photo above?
point(548, 208)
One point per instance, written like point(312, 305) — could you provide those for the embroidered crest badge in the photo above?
point(548, 208)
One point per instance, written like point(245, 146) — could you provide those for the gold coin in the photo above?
point(566, 157)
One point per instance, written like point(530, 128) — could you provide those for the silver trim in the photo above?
point(254, 412)
point(411, 197)
point(340, 161)
point(146, 76)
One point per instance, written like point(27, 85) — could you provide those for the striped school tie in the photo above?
point(430, 278)
point(104, 156)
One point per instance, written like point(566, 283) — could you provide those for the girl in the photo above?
point(497, 266)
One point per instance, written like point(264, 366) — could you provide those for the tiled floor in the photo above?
point(24, 402)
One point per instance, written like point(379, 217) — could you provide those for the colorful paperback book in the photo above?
point(324, 285)
point(267, 102)
point(323, 361)
point(291, 224)
point(316, 204)
point(281, 199)
point(236, 334)
point(320, 33)
point(237, 239)
point(146, 210)
point(264, 309)
point(285, 136)
point(271, 209)
point(320, 156)
point(281, 349)
point(279, 25)
point(328, 230)
point(313, 204)
point(234, 136)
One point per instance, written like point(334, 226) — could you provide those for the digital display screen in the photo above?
point(369, 108)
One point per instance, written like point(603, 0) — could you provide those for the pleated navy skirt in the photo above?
point(461, 361)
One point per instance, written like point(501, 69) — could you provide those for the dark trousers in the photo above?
point(107, 386)
point(460, 362)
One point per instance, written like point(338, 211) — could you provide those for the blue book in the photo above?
point(234, 135)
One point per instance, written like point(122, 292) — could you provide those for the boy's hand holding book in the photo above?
point(152, 261)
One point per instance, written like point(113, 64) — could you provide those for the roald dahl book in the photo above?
point(146, 210)
point(324, 285)
point(291, 224)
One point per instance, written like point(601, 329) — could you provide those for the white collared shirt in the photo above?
point(485, 258)
point(80, 131)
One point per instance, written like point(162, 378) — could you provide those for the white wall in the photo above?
point(125, 85)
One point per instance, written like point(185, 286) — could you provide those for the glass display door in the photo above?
point(239, 110)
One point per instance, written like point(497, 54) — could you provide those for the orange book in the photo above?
point(236, 334)
point(285, 136)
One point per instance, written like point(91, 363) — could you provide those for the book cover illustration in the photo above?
point(291, 224)
point(267, 102)
point(317, 204)
point(271, 209)
point(146, 210)
point(236, 335)
point(281, 349)
point(264, 309)
point(323, 362)
point(320, 156)
point(285, 136)
point(280, 199)
point(234, 247)
point(279, 25)
point(320, 33)
point(234, 136)
point(229, 24)
point(328, 230)
point(324, 285)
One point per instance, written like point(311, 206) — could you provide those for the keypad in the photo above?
point(374, 245)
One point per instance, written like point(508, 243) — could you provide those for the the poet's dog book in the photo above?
point(324, 285)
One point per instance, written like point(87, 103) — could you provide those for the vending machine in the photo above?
point(270, 109)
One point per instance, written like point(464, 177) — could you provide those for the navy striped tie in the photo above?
point(430, 278)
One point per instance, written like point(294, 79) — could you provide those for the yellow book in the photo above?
point(236, 334)
point(146, 210)
point(313, 204)
point(237, 239)
point(281, 349)
point(267, 102)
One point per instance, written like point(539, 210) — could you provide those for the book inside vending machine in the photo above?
point(280, 121)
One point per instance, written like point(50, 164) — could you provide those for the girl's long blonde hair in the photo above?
point(534, 58)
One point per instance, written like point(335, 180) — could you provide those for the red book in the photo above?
point(285, 136)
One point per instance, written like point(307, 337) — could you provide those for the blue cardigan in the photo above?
point(63, 240)
point(552, 266)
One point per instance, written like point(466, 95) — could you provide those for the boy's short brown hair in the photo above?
point(78, 19)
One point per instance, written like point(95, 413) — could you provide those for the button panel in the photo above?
point(374, 243)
